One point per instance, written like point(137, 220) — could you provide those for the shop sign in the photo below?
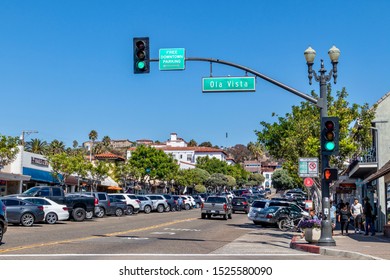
point(40, 161)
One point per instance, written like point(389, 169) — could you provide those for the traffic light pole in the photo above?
point(326, 238)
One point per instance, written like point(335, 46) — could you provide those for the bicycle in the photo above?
point(291, 224)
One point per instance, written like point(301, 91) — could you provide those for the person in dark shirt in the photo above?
point(369, 216)
point(343, 219)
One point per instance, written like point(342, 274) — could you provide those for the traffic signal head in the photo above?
point(330, 135)
point(330, 174)
point(141, 55)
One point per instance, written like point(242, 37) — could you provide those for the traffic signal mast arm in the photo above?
point(257, 74)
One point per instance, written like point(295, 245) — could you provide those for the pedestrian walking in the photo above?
point(343, 219)
point(369, 217)
point(333, 211)
point(180, 203)
point(356, 212)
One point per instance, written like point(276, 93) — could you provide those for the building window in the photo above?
point(189, 158)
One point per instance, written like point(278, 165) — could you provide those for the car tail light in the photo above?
point(109, 203)
point(65, 208)
point(138, 201)
point(202, 205)
point(40, 207)
point(4, 208)
point(269, 216)
point(245, 203)
point(96, 201)
point(225, 207)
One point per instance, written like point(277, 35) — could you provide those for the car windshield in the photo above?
point(216, 199)
point(271, 209)
point(31, 191)
point(259, 204)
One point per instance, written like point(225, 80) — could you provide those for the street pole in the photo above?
point(326, 238)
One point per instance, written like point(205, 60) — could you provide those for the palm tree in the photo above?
point(56, 147)
point(257, 150)
point(37, 146)
point(93, 135)
point(106, 142)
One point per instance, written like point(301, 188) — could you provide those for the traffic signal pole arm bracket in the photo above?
point(257, 74)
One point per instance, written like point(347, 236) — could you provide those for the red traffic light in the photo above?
point(330, 174)
point(329, 125)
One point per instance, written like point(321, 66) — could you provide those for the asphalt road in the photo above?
point(169, 235)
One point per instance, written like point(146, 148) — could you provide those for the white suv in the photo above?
point(159, 202)
point(133, 205)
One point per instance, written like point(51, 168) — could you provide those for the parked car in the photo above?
point(240, 204)
point(259, 205)
point(103, 203)
point(188, 202)
point(22, 212)
point(159, 202)
point(198, 200)
point(53, 211)
point(146, 204)
point(3, 221)
point(270, 216)
point(171, 202)
point(133, 205)
point(117, 207)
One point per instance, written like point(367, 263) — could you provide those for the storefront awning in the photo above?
point(13, 177)
point(381, 172)
point(39, 175)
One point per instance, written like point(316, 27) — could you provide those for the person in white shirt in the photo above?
point(356, 212)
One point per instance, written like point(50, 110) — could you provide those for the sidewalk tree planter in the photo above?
point(312, 235)
point(312, 229)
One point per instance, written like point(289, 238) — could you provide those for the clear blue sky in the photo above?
point(66, 66)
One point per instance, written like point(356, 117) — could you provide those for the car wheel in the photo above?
point(187, 206)
point(234, 211)
point(79, 214)
point(27, 219)
point(1, 232)
point(203, 216)
point(208, 216)
point(130, 210)
point(89, 215)
point(160, 208)
point(225, 217)
point(168, 208)
point(100, 212)
point(51, 218)
point(118, 212)
point(147, 209)
point(229, 216)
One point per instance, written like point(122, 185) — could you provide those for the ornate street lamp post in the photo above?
point(334, 53)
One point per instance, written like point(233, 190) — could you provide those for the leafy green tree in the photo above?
point(281, 180)
point(99, 171)
point(63, 166)
point(106, 140)
point(217, 182)
point(206, 144)
point(36, 146)
point(153, 164)
point(212, 165)
point(8, 149)
point(200, 189)
point(255, 179)
point(192, 143)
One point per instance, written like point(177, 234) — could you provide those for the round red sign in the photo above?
point(308, 182)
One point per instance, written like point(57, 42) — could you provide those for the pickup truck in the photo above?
point(79, 205)
point(216, 206)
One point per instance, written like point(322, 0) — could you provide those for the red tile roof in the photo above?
point(108, 155)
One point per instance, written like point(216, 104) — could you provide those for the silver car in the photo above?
point(146, 205)
point(159, 202)
point(23, 212)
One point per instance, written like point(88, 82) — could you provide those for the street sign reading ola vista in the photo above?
point(226, 84)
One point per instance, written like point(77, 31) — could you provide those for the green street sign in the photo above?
point(228, 84)
point(172, 59)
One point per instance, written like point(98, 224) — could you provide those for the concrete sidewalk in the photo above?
point(354, 246)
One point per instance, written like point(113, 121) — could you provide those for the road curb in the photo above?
point(296, 243)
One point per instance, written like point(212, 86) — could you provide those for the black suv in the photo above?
point(240, 204)
point(3, 221)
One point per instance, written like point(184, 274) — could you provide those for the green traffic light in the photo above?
point(141, 65)
point(329, 146)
